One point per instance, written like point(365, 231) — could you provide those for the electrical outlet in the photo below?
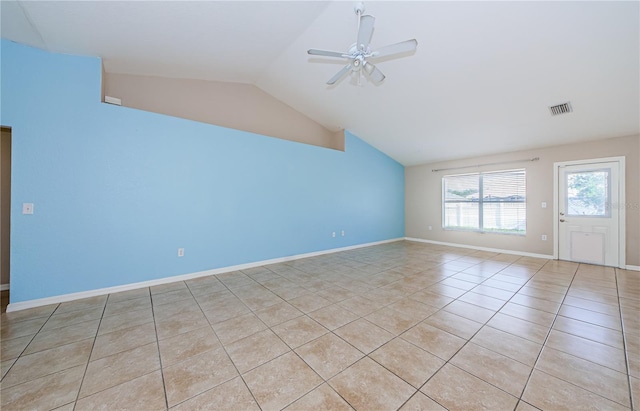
point(333, 234)
point(544, 204)
point(180, 252)
point(342, 233)
point(27, 208)
point(430, 228)
point(544, 237)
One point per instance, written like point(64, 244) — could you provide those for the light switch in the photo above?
point(27, 208)
point(544, 204)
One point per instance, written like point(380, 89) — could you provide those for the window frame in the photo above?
point(481, 202)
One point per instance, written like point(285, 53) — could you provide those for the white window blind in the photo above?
point(487, 202)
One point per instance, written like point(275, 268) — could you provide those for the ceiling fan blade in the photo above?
point(316, 52)
point(402, 47)
point(373, 72)
point(365, 31)
point(339, 74)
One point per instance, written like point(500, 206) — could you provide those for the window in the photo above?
point(588, 193)
point(488, 202)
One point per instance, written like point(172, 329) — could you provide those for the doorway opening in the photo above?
point(5, 215)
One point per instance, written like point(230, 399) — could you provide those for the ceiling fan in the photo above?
point(359, 53)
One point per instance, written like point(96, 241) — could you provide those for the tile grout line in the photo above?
point(375, 266)
point(155, 328)
point(223, 347)
point(305, 314)
point(293, 350)
point(88, 361)
point(86, 367)
point(30, 341)
point(555, 317)
point(624, 341)
point(367, 355)
point(468, 340)
point(544, 343)
point(326, 381)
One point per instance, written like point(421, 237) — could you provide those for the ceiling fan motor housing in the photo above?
point(360, 51)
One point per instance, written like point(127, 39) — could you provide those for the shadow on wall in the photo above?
point(233, 105)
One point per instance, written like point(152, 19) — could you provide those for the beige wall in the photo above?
point(234, 105)
point(5, 203)
point(423, 192)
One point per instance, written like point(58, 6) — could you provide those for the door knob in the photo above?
point(561, 213)
point(562, 220)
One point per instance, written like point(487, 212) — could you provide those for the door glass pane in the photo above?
point(588, 193)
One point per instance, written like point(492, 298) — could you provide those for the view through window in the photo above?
point(488, 202)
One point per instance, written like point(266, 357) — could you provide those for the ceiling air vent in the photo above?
point(561, 109)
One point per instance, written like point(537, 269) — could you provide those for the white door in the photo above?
point(588, 213)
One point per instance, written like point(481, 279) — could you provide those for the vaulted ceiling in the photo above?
point(480, 81)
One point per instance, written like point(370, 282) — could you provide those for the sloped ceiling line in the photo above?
point(479, 84)
point(31, 24)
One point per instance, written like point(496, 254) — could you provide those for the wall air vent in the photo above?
point(561, 109)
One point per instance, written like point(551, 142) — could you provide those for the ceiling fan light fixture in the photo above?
point(360, 51)
point(358, 62)
point(368, 67)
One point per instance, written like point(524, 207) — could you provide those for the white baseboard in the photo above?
point(23, 305)
point(632, 267)
point(473, 247)
point(4, 287)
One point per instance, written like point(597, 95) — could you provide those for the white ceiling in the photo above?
point(480, 81)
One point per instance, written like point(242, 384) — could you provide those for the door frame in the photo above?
point(622, 253)
point(6, 230)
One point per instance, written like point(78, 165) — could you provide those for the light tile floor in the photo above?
point(397, 326)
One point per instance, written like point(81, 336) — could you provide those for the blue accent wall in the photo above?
point(118, 190)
